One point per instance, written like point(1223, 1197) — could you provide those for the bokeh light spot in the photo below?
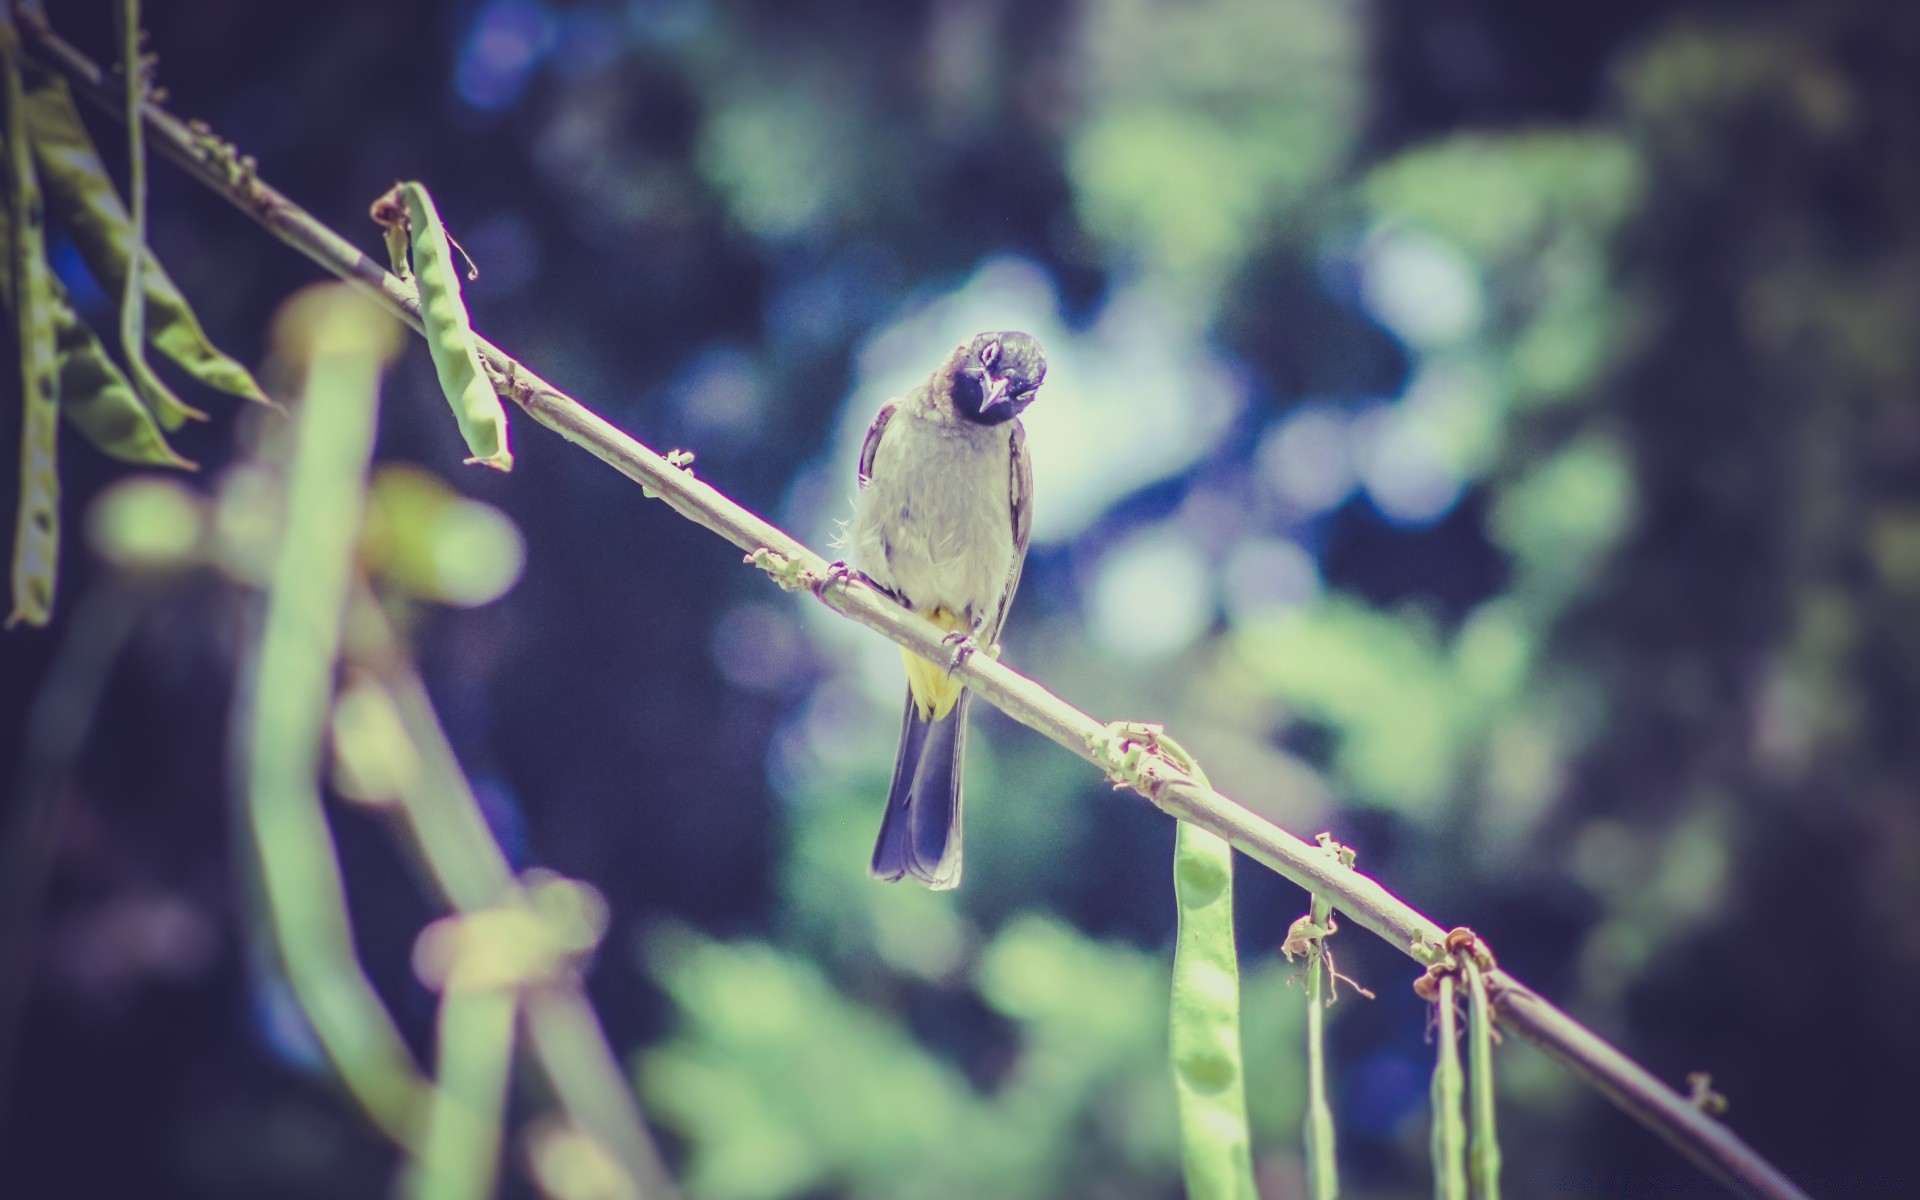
point(1305, 458)
point(507, 41)
point(1420, 288)
point(1152, 597)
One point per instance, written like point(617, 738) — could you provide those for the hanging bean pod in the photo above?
point(102, 231)
point(476, 406)
point(36, 543)
point(97, 400)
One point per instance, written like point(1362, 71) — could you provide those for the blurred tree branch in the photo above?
point(1706, 1141)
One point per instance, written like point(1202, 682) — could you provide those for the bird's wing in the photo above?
point(1020, 501)
point(871, 446)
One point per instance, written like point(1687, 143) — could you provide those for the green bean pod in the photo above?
point(458, 1155)
point(36, 542)
point(343, 344)
point(1449, 1095)
point(476, 406)
point(1216, 1144)
point(1483, 1146)
point(97, 400)
point(1323, 1167)
point(95, 397)
point(102, 231)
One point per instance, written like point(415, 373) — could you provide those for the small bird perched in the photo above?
point(941, 522)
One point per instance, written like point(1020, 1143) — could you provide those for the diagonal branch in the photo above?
point(1707, 1142)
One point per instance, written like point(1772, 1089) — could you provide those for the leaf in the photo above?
point(1205, 1021)
point(476, 406)
point(102, 231)
point(36, 543)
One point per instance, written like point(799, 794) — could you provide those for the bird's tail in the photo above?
point(920, 833)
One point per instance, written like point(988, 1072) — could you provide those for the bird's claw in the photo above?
point(841, 573)
point(836, 572)
point(963, 648)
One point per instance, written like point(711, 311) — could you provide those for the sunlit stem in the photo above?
point(1323, 1170)
point(459, 1154)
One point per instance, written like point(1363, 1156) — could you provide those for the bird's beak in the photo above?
point(996, 393)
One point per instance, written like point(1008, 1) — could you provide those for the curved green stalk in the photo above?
point(459, 1153)
point(288, 701)
point(167, 407)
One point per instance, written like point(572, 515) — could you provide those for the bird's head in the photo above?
point(998, 376)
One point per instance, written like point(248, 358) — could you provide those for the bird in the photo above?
point(941, 523)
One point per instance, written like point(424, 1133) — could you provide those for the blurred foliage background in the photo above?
point(1485, 430)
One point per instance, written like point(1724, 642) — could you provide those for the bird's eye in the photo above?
point(989, 353)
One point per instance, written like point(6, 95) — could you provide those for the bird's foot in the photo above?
point(840, 572)
point(963, 648)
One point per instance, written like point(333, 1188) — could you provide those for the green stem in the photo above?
point(471, 873)
point(1483, 1148)
point(1323, 1168)
point(460, 1151)
point(288, 702)
point(166, 407)
point(1449, 1121)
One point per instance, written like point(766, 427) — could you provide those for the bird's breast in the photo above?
point(935, 521)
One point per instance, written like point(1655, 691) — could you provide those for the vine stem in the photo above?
point(1707, 1142)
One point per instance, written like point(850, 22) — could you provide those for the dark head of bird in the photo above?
point(998, 376)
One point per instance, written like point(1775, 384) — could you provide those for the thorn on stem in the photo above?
point(1701, 1095)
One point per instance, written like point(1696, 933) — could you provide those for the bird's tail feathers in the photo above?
point(920, 833)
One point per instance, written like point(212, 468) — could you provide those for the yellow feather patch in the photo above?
point(934, 691)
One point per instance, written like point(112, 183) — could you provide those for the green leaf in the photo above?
point(476, 406)
point(36, 544)
point(1205, 1013)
